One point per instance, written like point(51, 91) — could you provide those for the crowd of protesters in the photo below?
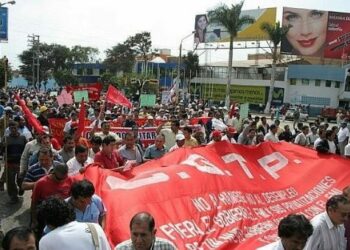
point(38, 162)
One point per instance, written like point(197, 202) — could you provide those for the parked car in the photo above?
point(331, 113)
point(290, 115)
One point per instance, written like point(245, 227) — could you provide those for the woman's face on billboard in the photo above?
point(308, 30)
point(202, 23)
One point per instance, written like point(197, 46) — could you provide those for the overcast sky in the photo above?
point(104, 23)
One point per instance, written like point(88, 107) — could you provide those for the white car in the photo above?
point(303, 116)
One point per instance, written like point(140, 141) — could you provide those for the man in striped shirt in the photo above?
point(39, 169)
point(329, 231)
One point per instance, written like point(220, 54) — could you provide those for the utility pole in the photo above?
point(34, 41)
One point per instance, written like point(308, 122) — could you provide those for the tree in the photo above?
point(275, 32)
point(55, 60)
point(191, 63)
point(120, 58)
point(140, 44)
point(65, 77)
point(80, 54)
point(230, 18)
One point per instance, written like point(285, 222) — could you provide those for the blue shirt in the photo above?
point(92, 212)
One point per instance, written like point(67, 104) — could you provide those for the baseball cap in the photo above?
point(179, 137)
point(43, 109)
point(216, 133)
point(231, 130)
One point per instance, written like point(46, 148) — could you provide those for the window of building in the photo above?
point(317, 83)
point(102, 71)
point(89, 72)
point(293, 81)
point(328, 83)
point(79, 72)
point(305, 82)
point(337, 85)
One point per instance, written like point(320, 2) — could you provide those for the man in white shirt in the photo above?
point(329, 231)
point(293, 231)
point(343, 136)
point(272, 134)
point(301, 139)
point(78, 163)
point(67, 234)
point(217, 123)
point(67, 126)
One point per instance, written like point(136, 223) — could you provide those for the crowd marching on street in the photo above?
point(63, 208)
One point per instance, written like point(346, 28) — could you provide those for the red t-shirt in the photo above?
point(109, 162)
point(46, 187)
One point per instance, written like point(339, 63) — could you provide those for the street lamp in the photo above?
point(179, 65)
point(9, 2)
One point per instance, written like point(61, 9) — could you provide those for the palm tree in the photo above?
point(275, 33)
point(230, 19)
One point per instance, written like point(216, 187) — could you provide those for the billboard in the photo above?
point(239, 93)
point(316, 33)
point(207, 32)
point(3, 24)
point(338, 35)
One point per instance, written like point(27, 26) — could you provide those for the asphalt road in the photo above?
point(13, 215)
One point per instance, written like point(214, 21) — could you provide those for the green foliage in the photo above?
point(229, 17)
point(55, 61)
point(65, 77)
point(140, 44)
point(120, 58)
point(80, 54)
point(191, 62)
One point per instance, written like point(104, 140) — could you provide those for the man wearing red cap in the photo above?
point(230, 133)
point(216, 136)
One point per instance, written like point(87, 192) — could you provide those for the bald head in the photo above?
point(143, 217)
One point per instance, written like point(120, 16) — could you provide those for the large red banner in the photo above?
point(221, 196)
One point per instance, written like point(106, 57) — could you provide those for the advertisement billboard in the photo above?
point(3, 24)
point(338, 35)
point(316, 33)
point(207, 32)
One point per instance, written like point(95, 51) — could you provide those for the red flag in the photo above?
point(115, 96)
point(233, 110)
point(221, 196)
point(29, 115)
point(81, 117)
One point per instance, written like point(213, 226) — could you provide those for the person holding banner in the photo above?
point(108, 157)
point(307, 33)
point(329, 231)
point(294, 231)
point(156, 150)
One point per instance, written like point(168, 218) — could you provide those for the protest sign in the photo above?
point(221, 196)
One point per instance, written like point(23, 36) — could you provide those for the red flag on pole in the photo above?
point(29, 115)
point(81, 117)
point(115, 96)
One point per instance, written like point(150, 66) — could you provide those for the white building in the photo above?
point(314, 85)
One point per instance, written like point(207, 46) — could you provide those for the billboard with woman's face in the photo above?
point(209, 32)
point(316, 33)
point(307, 33)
